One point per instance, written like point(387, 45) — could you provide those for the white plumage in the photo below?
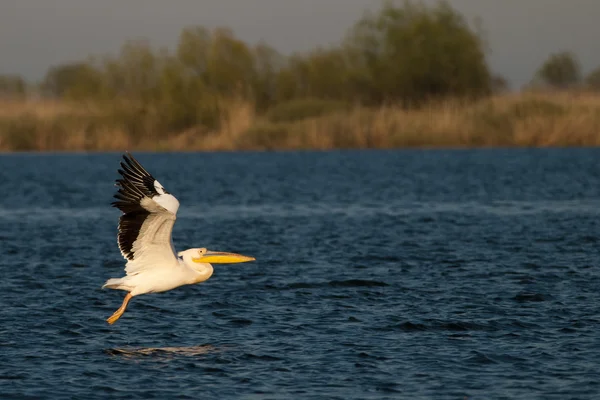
point(144, 239)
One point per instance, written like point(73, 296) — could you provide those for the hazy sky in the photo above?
point(35, 34)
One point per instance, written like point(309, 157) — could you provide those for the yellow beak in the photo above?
point(220, 257)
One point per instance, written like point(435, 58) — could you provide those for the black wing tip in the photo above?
point(128, 157)
point(135, 184)
point(128, 161)
point(132, 164)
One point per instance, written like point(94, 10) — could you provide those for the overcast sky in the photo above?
point(35, 34)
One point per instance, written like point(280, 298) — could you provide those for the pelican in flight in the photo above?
point(144, 238)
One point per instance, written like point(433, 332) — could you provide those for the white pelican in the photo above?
point(144, 238)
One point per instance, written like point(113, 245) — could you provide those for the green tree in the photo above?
point(321, 73)
point(224, 63)
point(12, 86)
point(292, 79)
point(76, 80)
point(592, 80)
point(178, 95)
point(230, 64)
point(327, 73)
point(413, 52)
point(267, 64)
point(192, 50)
point(560, 70)
point(135, 73)
point(215, 66)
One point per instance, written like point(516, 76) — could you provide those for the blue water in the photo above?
point(400, 274)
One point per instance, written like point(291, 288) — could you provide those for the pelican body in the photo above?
point(144, 239)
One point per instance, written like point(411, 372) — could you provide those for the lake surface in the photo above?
point(379, 274)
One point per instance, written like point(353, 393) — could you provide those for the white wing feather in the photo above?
point(149, 213)
point(153, 247)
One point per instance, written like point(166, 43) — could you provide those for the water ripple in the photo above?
point(412, 274)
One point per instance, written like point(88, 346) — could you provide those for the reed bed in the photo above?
point(511, 120)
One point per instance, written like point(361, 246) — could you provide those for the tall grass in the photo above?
point(526, 119)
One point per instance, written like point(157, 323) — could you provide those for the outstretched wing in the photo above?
point(149, 213)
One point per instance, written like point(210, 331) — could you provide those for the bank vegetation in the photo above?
point(406, 75)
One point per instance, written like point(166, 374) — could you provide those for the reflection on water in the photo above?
point(163, 352)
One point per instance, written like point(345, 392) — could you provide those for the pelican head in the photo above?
point(205, 256)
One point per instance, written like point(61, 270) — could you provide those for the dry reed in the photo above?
point(524, 119)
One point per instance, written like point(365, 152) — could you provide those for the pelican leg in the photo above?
point(117, 314)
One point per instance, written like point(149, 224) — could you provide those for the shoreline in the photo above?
point(332, 150)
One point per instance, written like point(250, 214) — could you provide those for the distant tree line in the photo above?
point(405, 53)
point(562, 70)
